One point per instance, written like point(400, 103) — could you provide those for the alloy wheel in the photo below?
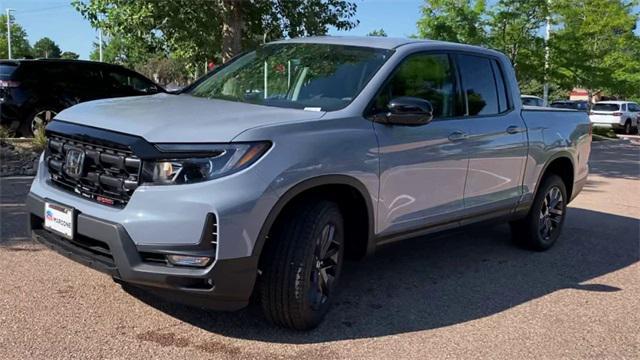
point(551, 213)
point(325, 266)
point(41, 119)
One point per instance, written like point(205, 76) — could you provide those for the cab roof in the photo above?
point(380, 42)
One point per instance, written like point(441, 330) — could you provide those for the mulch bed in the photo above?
point(17, 160)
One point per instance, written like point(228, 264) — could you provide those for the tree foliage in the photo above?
point(202, 30)
point(378, 32)
point(458, 21)
point(592, 43)
point(20, 47)
point(595, 46)
point(46, 48)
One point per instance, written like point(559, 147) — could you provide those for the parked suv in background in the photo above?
point(619, 115)
point(32, 92)
point(267, 173)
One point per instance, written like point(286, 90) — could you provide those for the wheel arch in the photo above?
point(322, 185)
point(561, 164)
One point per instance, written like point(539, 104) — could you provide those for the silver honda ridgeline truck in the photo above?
point(265, 175)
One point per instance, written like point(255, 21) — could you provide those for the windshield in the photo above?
point(317, 77)
point(606, 107)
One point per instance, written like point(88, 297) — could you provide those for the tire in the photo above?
point(542, 226)
point(627, 127)
point(41, 116)
point(293, 292)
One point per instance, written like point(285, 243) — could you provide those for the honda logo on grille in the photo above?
point(74, 163)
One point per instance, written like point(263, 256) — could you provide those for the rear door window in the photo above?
point(479, 85)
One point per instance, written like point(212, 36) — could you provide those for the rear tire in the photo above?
point(542, 226)
point(627, 127)
point(303, 261)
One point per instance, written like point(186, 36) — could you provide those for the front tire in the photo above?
point(542, 226)
point(37, 120)
point(302, 265)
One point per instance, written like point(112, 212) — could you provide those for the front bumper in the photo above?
point(105, 246)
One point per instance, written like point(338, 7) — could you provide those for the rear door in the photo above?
point(422, 168)
point(494, 136)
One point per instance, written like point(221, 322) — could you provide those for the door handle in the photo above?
point(515, 129)
point(457, 136)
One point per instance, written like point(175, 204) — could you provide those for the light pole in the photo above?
point(546, 55)
point(100, 41)
point(9, 31)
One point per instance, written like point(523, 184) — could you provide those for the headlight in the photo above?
point(191, 163)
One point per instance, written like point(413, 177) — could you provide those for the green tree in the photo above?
point(202, 30)
point(70, 55)
point(378, 32)
point(458, 21)
point(514, 30)
point(20, 47)
point(594, 46)
point(46, 48)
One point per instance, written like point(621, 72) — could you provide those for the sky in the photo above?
point(58, 20)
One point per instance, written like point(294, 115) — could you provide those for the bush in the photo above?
point(5, 133)
point(39, 140)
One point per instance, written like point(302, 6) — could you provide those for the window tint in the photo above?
point(479, 84)
point(634, 107)
point(131, 81)
point(606, 107)
point(503, 103)
point(428, 77)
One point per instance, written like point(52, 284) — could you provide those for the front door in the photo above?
point(422, 168)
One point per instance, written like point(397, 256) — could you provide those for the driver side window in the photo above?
point(426, 76)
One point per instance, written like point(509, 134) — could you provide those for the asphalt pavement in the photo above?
point(469, 294)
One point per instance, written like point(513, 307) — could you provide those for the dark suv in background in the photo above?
point(32, 92)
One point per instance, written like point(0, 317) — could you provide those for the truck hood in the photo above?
point(179, 118)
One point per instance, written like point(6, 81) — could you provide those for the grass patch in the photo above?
point(602, 132)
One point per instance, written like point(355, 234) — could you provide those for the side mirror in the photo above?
point(407, 110)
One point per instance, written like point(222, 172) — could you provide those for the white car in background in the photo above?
point(619, 115)
point(531, 100)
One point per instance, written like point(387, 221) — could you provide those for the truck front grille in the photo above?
point(104, 174)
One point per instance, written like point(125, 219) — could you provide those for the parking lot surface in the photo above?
point(469, 294)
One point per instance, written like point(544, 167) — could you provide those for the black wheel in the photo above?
point(627, 127)
point(37, 120)
point(303, 260)
point(542, 226)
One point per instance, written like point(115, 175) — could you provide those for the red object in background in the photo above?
point(211, 65)
point(279, 68)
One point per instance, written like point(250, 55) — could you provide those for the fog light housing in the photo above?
point(194, 261)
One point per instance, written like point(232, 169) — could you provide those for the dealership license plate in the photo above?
point(59, 219)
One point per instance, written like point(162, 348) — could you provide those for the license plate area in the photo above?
point(59, 219)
